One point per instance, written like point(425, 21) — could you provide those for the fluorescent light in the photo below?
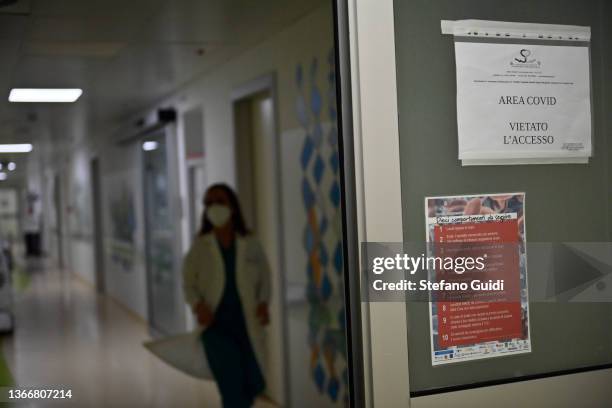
point(149, 145)
point(3, 176)
point(45, 94)
point(16, 148)
point(12, 166)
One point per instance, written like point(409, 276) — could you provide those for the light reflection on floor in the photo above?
point(67, 336)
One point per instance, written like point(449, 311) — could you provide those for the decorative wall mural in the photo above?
point(123, 223)
point(322, 234)
point(123, 215)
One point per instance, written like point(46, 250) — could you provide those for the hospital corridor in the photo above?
point(171, 225)
point(305, 203)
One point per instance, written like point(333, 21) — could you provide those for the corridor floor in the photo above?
point(69, 337)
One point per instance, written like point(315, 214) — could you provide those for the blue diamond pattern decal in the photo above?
point(334, 162)
point(324, 256)
point(323, 225)
point(319, 168)
point(307, 194)
point(308, 239)
point(307, 151)
point(332, 138)
point(332, 388)
point(338, 258)
point(334, 194)
point(317, 134)
point(321, 195)
point(326, 288)
point(319, 377)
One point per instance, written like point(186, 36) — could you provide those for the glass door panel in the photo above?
point(162, 276)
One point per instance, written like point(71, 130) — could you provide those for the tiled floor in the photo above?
point(67, 336)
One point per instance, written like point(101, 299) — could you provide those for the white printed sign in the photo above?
point(520, 103)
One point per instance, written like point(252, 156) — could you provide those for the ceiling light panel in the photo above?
point(51, 95)
point(16, 148)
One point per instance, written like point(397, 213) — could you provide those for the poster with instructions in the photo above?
point(484, 313)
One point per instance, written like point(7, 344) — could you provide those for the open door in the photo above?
point(258, 189)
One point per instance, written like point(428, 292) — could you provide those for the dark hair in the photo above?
point(237, 219)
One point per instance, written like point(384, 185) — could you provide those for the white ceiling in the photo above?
point(125, 54)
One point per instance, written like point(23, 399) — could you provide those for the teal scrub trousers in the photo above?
point(228, 347)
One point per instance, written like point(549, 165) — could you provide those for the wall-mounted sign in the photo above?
point(485, 312)
point(523, 103)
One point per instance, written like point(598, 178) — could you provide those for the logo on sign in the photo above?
point(524, 60)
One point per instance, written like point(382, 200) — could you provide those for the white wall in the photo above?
point(82, 259)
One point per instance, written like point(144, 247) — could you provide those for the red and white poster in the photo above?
point(485, 311)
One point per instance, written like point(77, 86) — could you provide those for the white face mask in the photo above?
point(218, 214)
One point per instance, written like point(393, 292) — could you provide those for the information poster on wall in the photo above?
point(523, 103)
point(470, 325)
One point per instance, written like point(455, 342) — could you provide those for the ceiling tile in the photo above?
point(73, 49)
point(22, 7)
point(12, 27)
point(94, 8)
point(86, 29)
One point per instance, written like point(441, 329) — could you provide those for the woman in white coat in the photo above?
point(226, 282)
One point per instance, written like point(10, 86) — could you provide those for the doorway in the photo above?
point(258, 186)
point(98, 224)
point(57, 200)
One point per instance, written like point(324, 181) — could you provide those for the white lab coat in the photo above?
point(204, 280)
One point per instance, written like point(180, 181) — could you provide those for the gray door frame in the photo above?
point(268, 83)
